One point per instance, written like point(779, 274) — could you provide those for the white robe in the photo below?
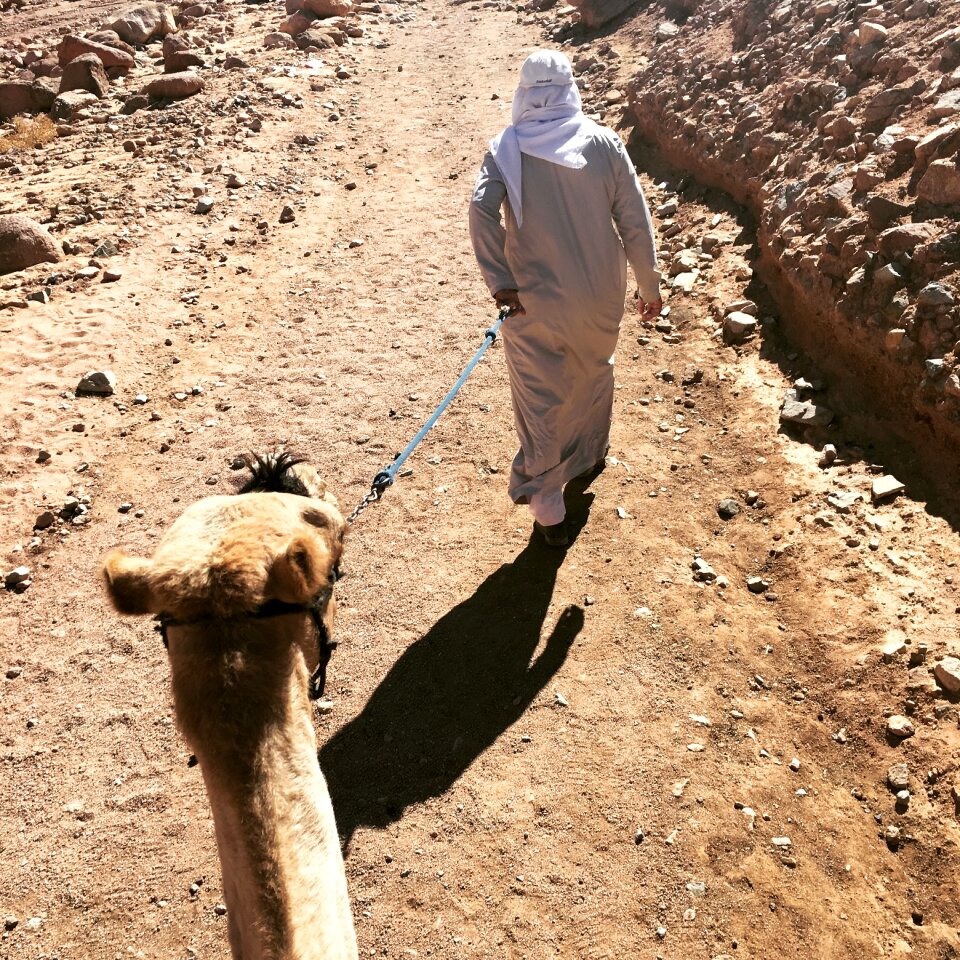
point(570, 268)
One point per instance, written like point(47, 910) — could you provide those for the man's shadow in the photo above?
point(454, 691)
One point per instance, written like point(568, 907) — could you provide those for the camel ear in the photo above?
point(128, 583)
point(311, 480)
point(299, 572)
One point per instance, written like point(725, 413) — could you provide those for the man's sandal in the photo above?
point(554, 535)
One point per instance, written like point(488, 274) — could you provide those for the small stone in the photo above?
point(16, 576)
point(287, 214)
point(140, 399)
point(757, 584)
point(125, 508)
point(10, 922)
point(738, 327)
point(220, 910)
point(97, 383)
point(44, 520)
point(947, 672)
point(805, 413)
point(204, 205)
point(885, 487)
point(898, 777)
point(702, 571)
point(892, 836)
point(14, 672)
point(781, 843)
point(828, 455)
point(900, 726)
point(728, 509)
point(794, 764)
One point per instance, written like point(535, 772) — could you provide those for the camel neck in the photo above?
point(283, 877)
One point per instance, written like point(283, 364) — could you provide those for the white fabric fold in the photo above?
point(548, 123)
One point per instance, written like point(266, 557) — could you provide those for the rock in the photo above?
point(110, 38)
point(21, 96)
point(894, 644)
point(68, 105)
point(328, 8)
point(828, 455)
point(297, 22)
point(946, 106)
point(144, 23)
point(805, 413)
point(941, 183)
point(667, 30)
point(934, 368)
point(287, 214)
point(174, 86)
point(204, 205)
point(892, 836)
point(885, 487)
point(595, 13)
point(275, 41)
point(757, 584)
point(25, 243)
point(315, 38)
point(16, 576)
point(871, 33)
point(898, 777)
point(235, 181)
point(903, 239)
point(182, 60)
point(72, 46)
point(46, 519)
point(220, 910)
point(943, 138)
point(85, 72)
point(738, 326)
point(947, 672)
point(935, 295)
point(900, 726)
point(728, 509)
point(97, 383)
point(702, 571)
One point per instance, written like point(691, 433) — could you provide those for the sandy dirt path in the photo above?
point(531, 754)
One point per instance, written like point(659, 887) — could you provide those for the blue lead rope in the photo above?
point(387, 477)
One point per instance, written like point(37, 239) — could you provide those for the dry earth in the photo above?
point(531, 754)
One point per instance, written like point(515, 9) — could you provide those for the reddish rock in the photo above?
point(174, 43)
point(941, 183)
point(25, 243)
point(21, 96)
point(328, 8)
point(897, 240)
point(85, 73)
point(174, 86)
point(182, 60)
point(72, 47)
point(296, 23)
point(109, 38)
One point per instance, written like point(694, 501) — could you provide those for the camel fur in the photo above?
point(240, 697)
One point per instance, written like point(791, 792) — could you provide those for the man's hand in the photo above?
point(649, 310)
point(511, 300)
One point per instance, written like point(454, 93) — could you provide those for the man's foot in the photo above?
point(554, 535)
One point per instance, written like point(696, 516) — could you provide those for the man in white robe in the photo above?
point(557, 262)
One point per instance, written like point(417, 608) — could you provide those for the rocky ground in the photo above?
point(721, 725)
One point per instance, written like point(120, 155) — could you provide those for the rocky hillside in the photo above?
point(836, 124)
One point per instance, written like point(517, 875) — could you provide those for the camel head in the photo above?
point(230, 562)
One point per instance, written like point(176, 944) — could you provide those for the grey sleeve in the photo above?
point(486, 227)
point(634, 224)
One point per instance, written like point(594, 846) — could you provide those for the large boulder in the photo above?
point(145, 23)
point(86, 72)
point(72, 47)
point(69, 104)
point(25, 243)
point(328, 8)
point(182, 60)
point(21, 96)
point(174, 86)
point(595, 13)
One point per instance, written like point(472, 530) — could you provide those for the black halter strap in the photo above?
point(277, 608)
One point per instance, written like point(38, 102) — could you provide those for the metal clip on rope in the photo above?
point(386, 477)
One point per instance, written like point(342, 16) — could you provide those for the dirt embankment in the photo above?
point(835, 124)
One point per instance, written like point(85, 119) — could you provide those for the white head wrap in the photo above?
point(548, 122)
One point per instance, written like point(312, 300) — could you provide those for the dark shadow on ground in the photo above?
point(455, 690)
